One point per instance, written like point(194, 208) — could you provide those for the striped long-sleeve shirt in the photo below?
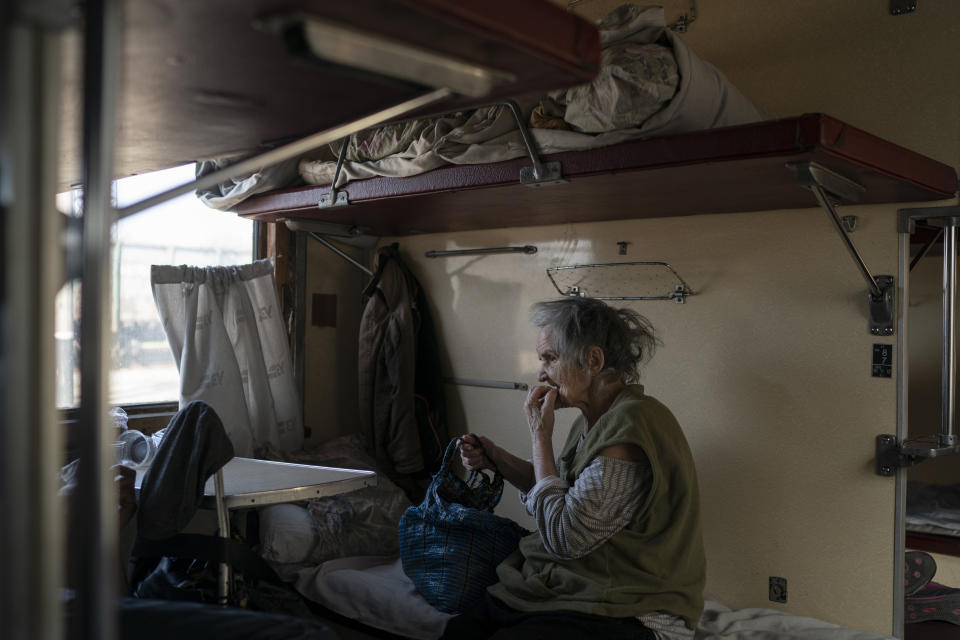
point(575, 520)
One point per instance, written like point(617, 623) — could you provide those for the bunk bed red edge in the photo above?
point(734, 169)
point(933, 543)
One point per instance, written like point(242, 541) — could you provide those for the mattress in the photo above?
point(375, 592)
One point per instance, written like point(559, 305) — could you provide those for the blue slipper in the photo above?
point(934, 602)
point(919, 568)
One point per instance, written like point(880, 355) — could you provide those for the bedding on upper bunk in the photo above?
point(650, 84)
point(933, 508)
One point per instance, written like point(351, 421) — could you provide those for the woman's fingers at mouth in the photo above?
point(550, 399)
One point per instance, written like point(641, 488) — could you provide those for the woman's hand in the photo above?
point(541, 401)
point(474, 456)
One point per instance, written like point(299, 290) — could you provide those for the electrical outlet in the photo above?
point(778, 589)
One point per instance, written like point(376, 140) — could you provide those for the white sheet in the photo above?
point(375, 591)
point(721, 623)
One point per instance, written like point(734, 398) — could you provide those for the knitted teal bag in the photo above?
point(451, 543)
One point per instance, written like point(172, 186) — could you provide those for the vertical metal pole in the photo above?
point(94, 534)
point(948, 374)
point(903, 386)
point(300, 318)
point(223, 522)
point(31, 532)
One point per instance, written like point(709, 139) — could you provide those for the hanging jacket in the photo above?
point(402, 410)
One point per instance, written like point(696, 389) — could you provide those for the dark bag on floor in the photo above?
point(451, 544)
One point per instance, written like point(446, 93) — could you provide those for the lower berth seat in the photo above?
point(374, 591)
point(140, 619)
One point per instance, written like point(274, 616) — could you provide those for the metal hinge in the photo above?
point(890, 458)
point(892, 455)
point(902, 7)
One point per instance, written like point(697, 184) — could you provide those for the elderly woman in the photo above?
point(618, 552)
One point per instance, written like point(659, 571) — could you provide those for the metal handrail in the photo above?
point(527, 249)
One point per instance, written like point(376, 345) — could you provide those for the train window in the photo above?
point(180, 231)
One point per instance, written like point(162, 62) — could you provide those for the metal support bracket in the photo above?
point(829, 188)
point(550, 173)
point(335, 198)
point(902, 7)
point(891, 457)
point(327, 202)
point(882, 307)
point(685, 20)
point(540, 173)
point(679, 294)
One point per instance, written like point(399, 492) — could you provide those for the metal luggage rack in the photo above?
point(644, 280)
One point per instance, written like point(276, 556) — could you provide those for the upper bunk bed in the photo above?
point(731, 169)
point(268, 75)
point(657, 132)
point(220, 78)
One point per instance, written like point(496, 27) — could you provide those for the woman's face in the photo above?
point(568, 377)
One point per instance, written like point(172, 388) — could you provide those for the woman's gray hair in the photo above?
point(626, 337)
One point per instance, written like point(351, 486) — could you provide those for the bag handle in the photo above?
point(486, 491)
point(448, 455)
point(472, 478)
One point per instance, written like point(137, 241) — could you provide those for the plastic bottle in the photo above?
point(138, 449)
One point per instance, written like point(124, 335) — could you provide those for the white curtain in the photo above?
point(227, 336)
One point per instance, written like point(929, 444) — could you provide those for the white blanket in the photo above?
point(720, 623)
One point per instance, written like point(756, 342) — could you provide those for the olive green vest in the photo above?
point(656, 563)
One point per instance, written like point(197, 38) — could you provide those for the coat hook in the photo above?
point(623, 247)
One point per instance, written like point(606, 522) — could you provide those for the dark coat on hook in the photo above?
point(402, 409)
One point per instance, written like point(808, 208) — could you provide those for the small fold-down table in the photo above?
point(254, 483)
point(246, 483)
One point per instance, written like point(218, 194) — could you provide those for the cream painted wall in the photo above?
point(767, 368)
point(893, 76)
point(330, 376)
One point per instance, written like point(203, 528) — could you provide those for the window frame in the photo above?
point(268, 240)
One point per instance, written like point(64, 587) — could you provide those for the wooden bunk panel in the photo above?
point(204, 79)
point(716, 171)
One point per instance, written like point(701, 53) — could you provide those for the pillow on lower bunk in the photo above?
point(287, 535)
point(359, 523)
